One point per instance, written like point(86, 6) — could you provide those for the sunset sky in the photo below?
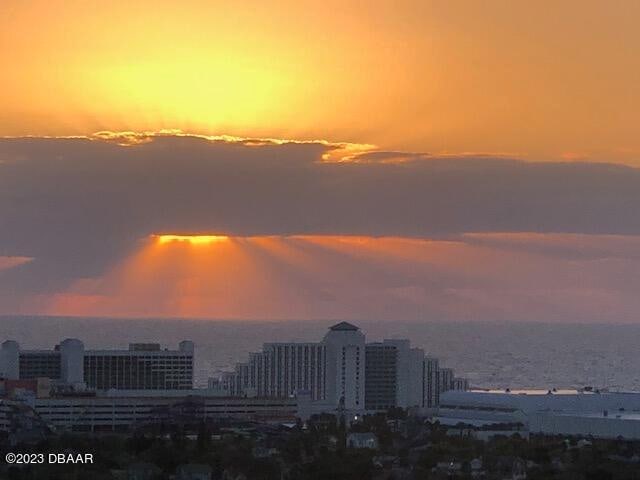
point(414, 160)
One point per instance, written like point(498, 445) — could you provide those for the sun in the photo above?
point(191, 239)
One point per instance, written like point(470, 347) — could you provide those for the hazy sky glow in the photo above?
point(402, 160)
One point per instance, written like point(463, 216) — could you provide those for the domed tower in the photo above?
point(345, 366)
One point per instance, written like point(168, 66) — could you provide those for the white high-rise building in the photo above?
point(284, 369)
point(345, 368)
point(281, 370)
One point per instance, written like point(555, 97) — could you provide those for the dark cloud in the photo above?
point(562, 246)
point(389, 157)
point(76, 205)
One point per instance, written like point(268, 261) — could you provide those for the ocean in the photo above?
point(489, 354)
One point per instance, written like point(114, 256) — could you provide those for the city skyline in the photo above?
point(340, 370)
point(308, 240)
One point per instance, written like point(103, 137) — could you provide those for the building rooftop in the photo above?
point(531, 391)
point(144, 347)
point(344, 326)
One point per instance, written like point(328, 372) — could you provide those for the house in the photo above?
point(193, 471)
point(475, 464)
point(583, 443)
point(362, 440)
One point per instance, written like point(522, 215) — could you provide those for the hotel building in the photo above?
point(283, 369)
point(141, 367)
point(341, 372)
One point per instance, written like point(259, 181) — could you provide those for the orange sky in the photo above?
point(538, 80)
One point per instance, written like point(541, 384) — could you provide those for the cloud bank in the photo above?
point(77, 206)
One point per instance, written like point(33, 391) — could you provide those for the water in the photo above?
point(497, 355)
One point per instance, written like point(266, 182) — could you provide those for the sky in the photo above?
point(412, 160)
